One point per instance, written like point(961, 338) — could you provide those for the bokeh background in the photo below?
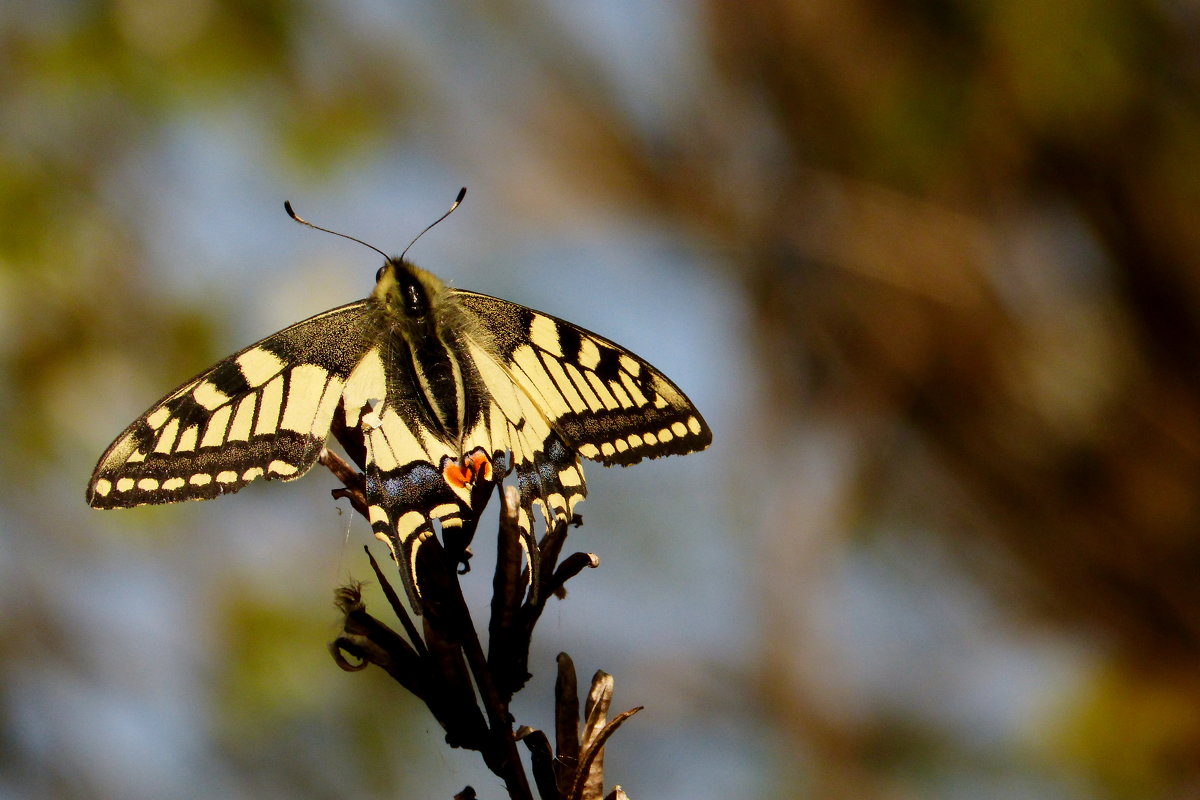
point(930, 269)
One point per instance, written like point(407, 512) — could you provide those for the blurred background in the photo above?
point(929, 269)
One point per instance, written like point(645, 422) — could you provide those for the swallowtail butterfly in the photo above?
point(440, 391)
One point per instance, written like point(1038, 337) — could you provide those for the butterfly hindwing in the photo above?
point(606, 403)
point(263, 412)
point(415, 477)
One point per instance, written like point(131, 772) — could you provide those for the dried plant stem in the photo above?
point(445, 664)
point(508, 766)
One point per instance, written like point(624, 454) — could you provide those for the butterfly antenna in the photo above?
point(287, 206)
point(457, 201)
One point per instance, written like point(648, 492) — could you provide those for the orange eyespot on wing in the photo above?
point(465, 472)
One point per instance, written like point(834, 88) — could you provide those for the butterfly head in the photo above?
point(405, 291)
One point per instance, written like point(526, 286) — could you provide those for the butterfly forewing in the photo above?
point(263, 412)
point(606, 403)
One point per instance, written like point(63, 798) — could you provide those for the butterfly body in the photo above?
point(437, 393)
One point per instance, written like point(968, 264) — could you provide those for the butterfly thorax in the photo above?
point(423, 326)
